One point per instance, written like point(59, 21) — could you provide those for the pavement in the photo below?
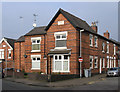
point(64, 83)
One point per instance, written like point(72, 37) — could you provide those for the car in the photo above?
point(113, 71)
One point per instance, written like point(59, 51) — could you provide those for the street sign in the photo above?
point(80, 59)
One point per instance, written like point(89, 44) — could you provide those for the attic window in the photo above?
point(60, 22)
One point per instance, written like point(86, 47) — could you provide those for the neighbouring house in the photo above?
point(55, 48)
point(7, 53)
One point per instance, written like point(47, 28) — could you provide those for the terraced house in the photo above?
point(56, 48)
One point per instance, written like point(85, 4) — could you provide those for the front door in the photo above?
point(100, 66)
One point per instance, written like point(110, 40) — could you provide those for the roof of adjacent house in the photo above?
point(77, 23)
point(21, 39)
point(36, 31)
point(10, 41)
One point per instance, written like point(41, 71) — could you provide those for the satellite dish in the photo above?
point(34, 25)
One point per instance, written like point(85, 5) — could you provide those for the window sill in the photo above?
point(96, 46)
point(91, 45)
point(9, 57)
point(35, 68)
point(61, 71)
point(95, 67)
point(36, 51)
point(60, 47)
point(103, 51)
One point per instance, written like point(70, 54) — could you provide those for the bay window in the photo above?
point(60, 63)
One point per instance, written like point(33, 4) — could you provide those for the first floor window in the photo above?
point(36, 43)
point(2, 53)
point(61, 63)
point(91, 40)
point(9, 54)
point(60, 39)
point(103, 63)
point(91, 61)
point(35, 61)
point(96, 62)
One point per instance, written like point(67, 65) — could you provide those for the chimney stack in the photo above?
point(106, 34)
point(94, 27)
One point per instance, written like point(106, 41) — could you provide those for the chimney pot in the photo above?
point(106, 34)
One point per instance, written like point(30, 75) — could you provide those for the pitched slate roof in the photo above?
point(36, 31)
point(10, 41)
point(75, 21)
point(21, 39)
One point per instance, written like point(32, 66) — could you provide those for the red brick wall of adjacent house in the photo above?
point(19, 55)
point(9, 60)
point(28, 49)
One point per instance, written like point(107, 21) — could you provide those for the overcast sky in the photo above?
point(106, 13)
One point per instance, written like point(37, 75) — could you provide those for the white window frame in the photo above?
point(91, 38)
point(103, 63)
point(114, 49)
point(96, 43)
point(62, 60)
point(103, 47)
point(96, 62)
point(108, 61)
point(36, 56)
point(107, 47)
point(1, 53)
point(60, 33)
point(114, 61)
point(36, 38)
point(9, 52)
point(91, 57)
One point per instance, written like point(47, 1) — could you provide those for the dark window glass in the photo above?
point(64, 36)
point(33, 41)
point(38, 58)
point(38, 41)
point(58, 36)
point(34, 58)
point(59, 57)
point(65, 57)
point(55, 57)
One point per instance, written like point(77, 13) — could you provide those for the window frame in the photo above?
point(108, 62)
point(103, 47)
point(107, 47)
point(1, 53)
point(114, 61)
point(103, 63)
point(36, 61)
point(9, 52)
point(62, 60)
point(96, 57)
point(36, 38)
point(96, 43)
point(91, 57)
point(60, 33)
point(91, 38)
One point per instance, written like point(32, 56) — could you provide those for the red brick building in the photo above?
point(7, 53)
point(56, 48)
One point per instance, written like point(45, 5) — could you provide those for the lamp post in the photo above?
point(80, 54)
